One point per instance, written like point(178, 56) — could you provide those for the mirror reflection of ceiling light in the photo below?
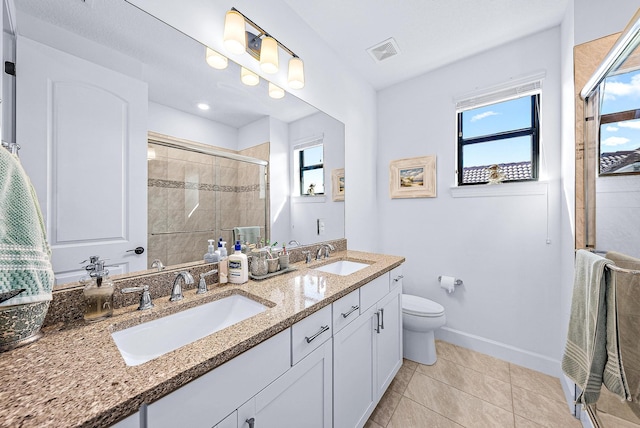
point(216, 60)
point(203, 106)
point(248, 77)
point(275, 91)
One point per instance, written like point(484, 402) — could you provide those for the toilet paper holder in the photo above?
point(456, 282)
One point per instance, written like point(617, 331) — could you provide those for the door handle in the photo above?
point(378, 322)
point(137, 250)
point(398, 278)
point(382, 316)
point(251, 422)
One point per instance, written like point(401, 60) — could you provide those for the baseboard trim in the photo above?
point(509, 353)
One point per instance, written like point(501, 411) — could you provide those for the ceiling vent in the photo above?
point(384, 50)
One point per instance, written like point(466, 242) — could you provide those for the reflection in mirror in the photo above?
point(612, 203)
point(112, 41)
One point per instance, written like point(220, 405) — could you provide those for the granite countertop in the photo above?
point(75, 376)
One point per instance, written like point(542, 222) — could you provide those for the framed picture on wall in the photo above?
point(337, 184)
point(413, 177)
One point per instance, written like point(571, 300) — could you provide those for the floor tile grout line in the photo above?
point(513, 407)
point(471, 368)
point(431, 410)
point(470, 393)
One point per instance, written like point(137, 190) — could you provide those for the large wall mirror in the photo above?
point(83, 63)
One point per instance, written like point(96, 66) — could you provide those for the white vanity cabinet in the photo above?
point(302, 397)
point(368, 352)
point(329, 369)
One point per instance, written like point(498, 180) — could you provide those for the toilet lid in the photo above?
point(419, 306)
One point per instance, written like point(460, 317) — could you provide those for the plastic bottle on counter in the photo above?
point(238, 266)
point(211, 256)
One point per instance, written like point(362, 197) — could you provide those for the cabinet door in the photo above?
point(299, 398)
point(353, 369)
point(388, 340)
point(230, 421)
point(132, 421)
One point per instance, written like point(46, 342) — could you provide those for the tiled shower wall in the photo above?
point(194, 197)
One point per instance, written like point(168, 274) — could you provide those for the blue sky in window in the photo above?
point(492, 119)
point(621, 93)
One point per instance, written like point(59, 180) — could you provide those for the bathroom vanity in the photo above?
point(321, 355)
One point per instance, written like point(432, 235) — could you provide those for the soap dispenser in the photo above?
point(98, 290)
point(211, 256)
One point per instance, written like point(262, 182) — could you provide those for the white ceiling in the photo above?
point(429, 33)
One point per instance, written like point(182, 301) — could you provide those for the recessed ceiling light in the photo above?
point(203, 106)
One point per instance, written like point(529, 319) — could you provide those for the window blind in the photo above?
point(515, 89)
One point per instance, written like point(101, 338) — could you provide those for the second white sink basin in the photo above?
point(342, 267)
point(149, 340)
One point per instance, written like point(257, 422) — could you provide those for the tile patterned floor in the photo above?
point(468, 389)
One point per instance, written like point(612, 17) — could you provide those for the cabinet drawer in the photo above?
point(309, 333)
point(395, 278)
point(345, 310)
point(372, 292)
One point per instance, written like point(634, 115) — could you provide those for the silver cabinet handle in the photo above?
point(251, 422)
point(398, 278)
point(382, 316)
point(353, 309)
point(322, 330)
point(378, 322)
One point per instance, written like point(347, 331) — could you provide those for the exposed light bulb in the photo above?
point(275, 91)
point(248, 77)
point(296, 73)
point(235, 36)
point(215, 59)
point(269, 55)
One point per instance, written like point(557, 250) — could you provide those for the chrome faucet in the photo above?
point(202, 285)
point(157, 263)
point(176, 291)
point(327, 250)
point(294, 242)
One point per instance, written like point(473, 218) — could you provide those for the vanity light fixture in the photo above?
point(296, 73)
point(248, 77)
point(261, 46)
point(275, 91)
point(235, 36)
point(215, 59)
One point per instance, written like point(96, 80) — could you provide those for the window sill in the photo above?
point(504, 189)
point(308, 199)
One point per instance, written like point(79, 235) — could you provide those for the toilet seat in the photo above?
point(421, 307)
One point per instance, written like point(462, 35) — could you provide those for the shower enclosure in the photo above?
point(198, 192)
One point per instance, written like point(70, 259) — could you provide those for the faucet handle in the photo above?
point(145, 297)
point(307, 255)
point(202, 285)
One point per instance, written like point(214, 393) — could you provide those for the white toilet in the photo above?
point(420, 318)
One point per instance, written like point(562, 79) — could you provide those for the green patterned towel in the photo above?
point(24, 252)
point(591, 354)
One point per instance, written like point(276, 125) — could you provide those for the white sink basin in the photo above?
point(144, 342)
point(342, 267)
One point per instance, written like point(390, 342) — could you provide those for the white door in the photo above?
point(389, 340)
point(82, 129)
point(353, 366)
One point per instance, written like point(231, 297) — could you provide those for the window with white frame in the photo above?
point(499, 136)
point(309, 168)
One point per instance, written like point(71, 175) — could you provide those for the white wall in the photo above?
point(331, 86)
point(306, 211)
point(597, 18)
point(176, 123)
point(279, 181)
point(508, 306)
point(255, 133)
